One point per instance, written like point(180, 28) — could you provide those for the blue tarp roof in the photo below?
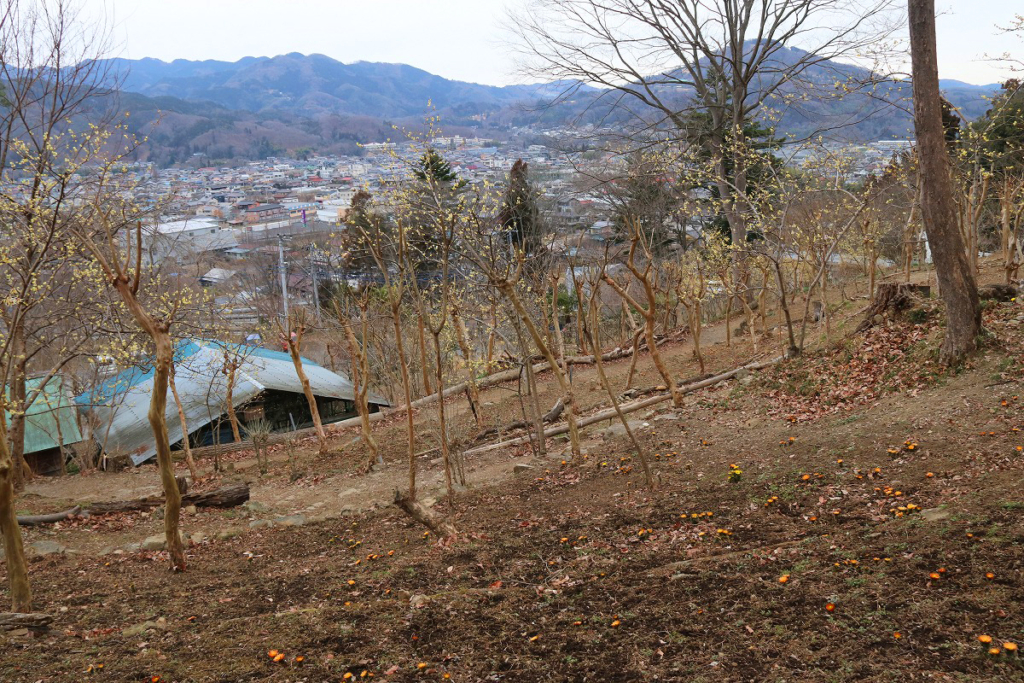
point(122, 401)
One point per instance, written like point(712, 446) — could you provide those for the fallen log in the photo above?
point(35, 520)
point(488, 381)
point(228, 496)
point(35, 621)
point(628, 408)
point(425, 516)
point(491, 380)
point(550, 416)
point(637, 393)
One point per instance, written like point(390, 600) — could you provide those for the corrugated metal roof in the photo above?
point(123, 400)
point(41, 418)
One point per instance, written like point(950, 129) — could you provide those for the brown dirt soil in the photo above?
point(578, 573)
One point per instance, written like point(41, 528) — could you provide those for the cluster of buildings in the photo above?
point(858, 161)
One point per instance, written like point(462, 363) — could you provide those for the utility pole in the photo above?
point(284, 277)
point(316, 282)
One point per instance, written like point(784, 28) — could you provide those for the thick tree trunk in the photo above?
point(17, 568)
point(36, 520)
point(952, 266)
point(32, 621)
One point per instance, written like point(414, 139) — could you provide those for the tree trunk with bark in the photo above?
point(17, 568)
point(18, 391)
point(425, 516)
point(229, 496)
point(158, 423)
point(294, 344)
point(952, 266)
point(467, 352)
point(185, 440)
point(360, 367)
point(396, 320)
point(230, 368)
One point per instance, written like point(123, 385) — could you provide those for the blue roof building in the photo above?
point(266, 387)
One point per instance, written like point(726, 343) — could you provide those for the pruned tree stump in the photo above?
point(891, 298)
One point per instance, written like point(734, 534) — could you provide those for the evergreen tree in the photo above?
point(436, 196)
point(1003, 130)
point(648, 198)
point(760, 143)
point(434, 167)
point(519, 213)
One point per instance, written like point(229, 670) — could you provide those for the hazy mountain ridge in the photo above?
point(263, 105)
point(313, 84)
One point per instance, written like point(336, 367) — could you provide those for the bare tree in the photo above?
point(122, 268)
point(388, 250)
point(51, 76)
point(699, 70)
point(645, 276)
point(594, 334)
point(359, 366)
point(292, 342)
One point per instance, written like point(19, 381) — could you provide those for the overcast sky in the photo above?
point(458, 39)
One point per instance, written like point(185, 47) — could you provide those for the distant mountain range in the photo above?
point(260, 106)
point(313, 85)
